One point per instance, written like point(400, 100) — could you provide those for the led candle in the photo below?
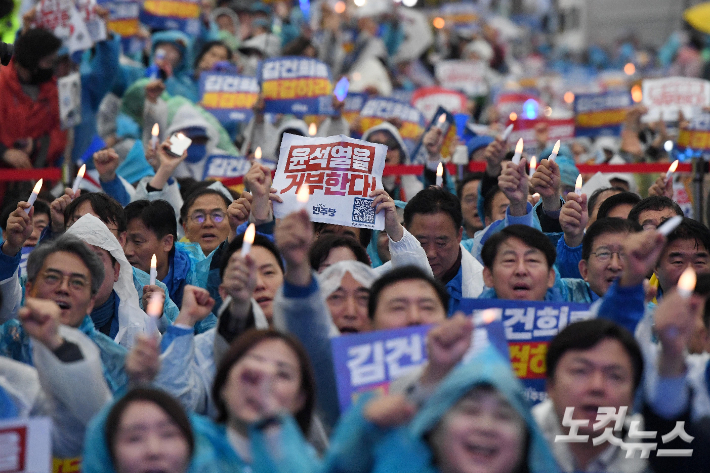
point(518, 152)
point(506, 132)
point(179, 143)
point(153, 270)
point(671, 169)
point(555, 150)
point(302, 197)
point(578, 185)
point(154, 309)
point(533, 165)
point(341, 89)
point(686, 283)
point(312, 129)
point(33, 195)
point(154, 137)
point(439, 175)
point(485, 317)
point(79, 177)
point(248, 239)
point(669, 225)
point(441, 122)
point(257, 153)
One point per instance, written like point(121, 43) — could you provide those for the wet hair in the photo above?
point(68, 244)
point(690, 229)
point(365, 233)
point(108, 209)
point(323, 245)
point(158, 216)
point(615, 200)
point(246, 342)
point(585, 335)
point(528, 235)
point(163, 400)
point(433, 200)
point(190, 201)
point(606, 226)
point(34, 45)
point(205, 49)
point(474, 176)
point(404, 273)
point(596, 195)
point(236, 245)
point(488, 202)
point(654, 202)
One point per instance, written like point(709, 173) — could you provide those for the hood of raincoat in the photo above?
point(486, 368)
point(178, 39)
point(392, 130)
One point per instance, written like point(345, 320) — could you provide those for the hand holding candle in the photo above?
point(154, 310)
point(154, 137)
point(506, 133)
point(33, 195)
point(79, 177)
point(669, 225)
point(257, 153)
point(518, 152)
point(439, 174)
point(153, 270)
point(555, 150)
point(248, 240)
point(686, 283)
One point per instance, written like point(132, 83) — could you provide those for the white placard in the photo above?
point(665, 97)
point(467, 76)
point(69, 100)
point(25, 445)
point(340, 172)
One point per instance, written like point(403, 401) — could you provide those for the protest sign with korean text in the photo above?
point(69, 92)
point(62, 18)
point(429, 99)
point(296, 85)
point(450, 137)
point(468, 77)
point(529, 327)
point(666, 97)
point(694, 139)
point(228, 97)
point(378, 109)
point(340, 173)
point(601, 114)
point(354, 103)
point(513, 102)
point(123, 20)
point(183, 15)
point(26, 445)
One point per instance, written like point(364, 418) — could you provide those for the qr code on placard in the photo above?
point(363, 211)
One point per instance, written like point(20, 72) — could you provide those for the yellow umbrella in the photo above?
point(699, 17)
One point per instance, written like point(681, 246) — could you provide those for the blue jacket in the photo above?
point(623, 305)
point(184, 270)
point(568, 259)
point(564, 290)
point(181, 82)
point(15, 344)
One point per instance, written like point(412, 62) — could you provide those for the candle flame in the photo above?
point(156, 130)
point(155, 305)
point(38, 186)
point(312, 129)
point(81, 172)
point(687, 280)
point(179, 136)
point(303, 194)
point(440, 170)
point(519, 146)
point(556, 149)
point(153, 262)
point(533, 164)
point(489, 315)
point(578, 184)
point(249, 234)
point(257, 153)
point(674, 166)
point(442, 118)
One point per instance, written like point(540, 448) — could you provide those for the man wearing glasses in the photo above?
point(204, 218)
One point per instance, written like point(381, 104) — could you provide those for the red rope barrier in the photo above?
point(55, 174)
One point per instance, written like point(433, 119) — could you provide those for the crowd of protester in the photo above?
point(224, 362)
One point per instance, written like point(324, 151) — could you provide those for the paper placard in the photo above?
point(468, 77)
point(228, 97)
point(63, 19)
point(69, 88)
point(428, 99)
point(340, 172)
point(26, 445)
point(295, 85)
point(666, 97)
point(601, 114)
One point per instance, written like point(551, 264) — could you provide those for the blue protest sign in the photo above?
point(601, 114)
point(295, 85)
point(228, 97)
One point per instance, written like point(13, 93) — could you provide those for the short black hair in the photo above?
point(161, 399)
point(206, 47)
point(586, 334)
point(654, 202)
point(592, 201)
point(236, 245)
point(473, 176)
point(404, 273)
point(690, 229)
point(605, 226)
point(365, 233)
point(108, 209)
point(40, 206)
point(157, 215)
point(190, 201)
point(619, 199)
point(488, 203)
point(322, 246)
point(433, 200)
point(33, 45)
point(529, 235)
